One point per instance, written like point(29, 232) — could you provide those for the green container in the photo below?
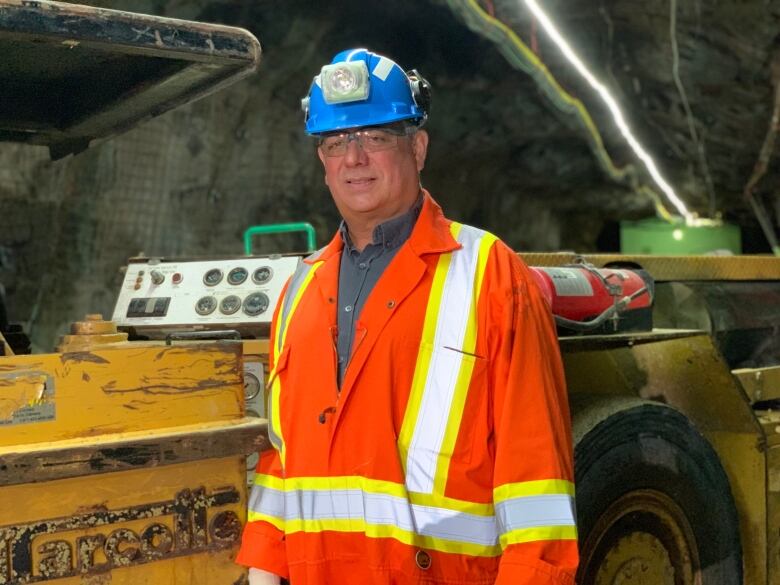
point(654, 236)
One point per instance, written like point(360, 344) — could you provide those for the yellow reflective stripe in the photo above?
point(269, 481)
point(538, 533)
point(335, 488)
point(296, 299)
point(276, 348)
point(375, 508)
point(423, 354)
point(438, 501)
point(533, 488)
point(466, 370)
point(276, 386)
point(273, 520)
point(275, 421)
point(386, 531)
point(372, 486)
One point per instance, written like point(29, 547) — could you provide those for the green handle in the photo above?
point(280, 228)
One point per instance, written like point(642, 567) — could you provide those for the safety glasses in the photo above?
point(369, 139)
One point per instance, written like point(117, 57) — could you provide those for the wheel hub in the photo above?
point(643, 538)
point(636, 559)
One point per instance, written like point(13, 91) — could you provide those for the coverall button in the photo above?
point(390, 304)
point(423, 560)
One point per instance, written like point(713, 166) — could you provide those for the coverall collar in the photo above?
point(431, 234)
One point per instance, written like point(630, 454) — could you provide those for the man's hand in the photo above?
point(258, 577)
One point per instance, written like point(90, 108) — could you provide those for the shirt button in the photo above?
point(423, 560)
point(341, 359)
point(362, 265)
point(348, 309)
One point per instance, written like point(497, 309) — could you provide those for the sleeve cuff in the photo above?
point(263, 547)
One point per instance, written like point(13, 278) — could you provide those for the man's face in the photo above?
point(376, 186)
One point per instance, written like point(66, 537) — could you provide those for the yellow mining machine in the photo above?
point(120, 462)
point(675, 418)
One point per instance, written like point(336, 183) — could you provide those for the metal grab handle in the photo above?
point(202, 335)
point(281, 228)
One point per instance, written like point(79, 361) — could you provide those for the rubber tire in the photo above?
point(654, 447)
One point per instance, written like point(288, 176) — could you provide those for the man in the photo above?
point(417, 407)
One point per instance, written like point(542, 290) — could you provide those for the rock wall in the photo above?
point(190, 182)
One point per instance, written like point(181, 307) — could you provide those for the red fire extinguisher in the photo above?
point(598, 300)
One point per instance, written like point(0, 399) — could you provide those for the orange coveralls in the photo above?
point(446, 456)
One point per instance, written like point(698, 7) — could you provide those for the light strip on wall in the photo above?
point(614, 109)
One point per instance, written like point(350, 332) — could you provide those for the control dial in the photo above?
point(230, 305)
point(206, 305)
point(213, 277)
point(255, 304)
point(262, 275)
point(237, 275)
point(252, 387)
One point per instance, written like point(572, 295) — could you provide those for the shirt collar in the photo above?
point(391, 233)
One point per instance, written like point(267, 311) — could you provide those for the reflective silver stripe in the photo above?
point(457, 296)
point(535, 511)
point(267, 501)
point(273, 436)
point(383, 68)
point(375, 509)
point(296, 280)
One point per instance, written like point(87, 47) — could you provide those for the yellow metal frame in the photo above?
point(663, 268)
point(124, 463)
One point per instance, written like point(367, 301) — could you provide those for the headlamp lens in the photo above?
point(344, 82)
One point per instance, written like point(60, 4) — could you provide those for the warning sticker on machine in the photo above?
point(570, 282)
point(26, 398)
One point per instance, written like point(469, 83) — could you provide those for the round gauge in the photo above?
point(237, 275)
point(213, 277)
point(255, 304)
point(251, 386)
point(206, 305)
point(262, 275)
point(230, 305)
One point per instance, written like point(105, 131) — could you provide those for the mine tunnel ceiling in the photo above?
point(494, 127)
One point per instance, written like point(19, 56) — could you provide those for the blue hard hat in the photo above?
point(361, 88)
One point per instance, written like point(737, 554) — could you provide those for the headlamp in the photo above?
point(344, 82)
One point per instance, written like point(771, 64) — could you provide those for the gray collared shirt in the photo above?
point(360, 271)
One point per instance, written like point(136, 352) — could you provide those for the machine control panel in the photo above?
point(159, 296)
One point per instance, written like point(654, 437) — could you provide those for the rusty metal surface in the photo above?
point(90, 333)
point(663, 268)
point(109, 453)
point(132, 387)
point(175, 524)
point(71, 74)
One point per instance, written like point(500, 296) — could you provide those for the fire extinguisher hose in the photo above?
point(599, 320)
